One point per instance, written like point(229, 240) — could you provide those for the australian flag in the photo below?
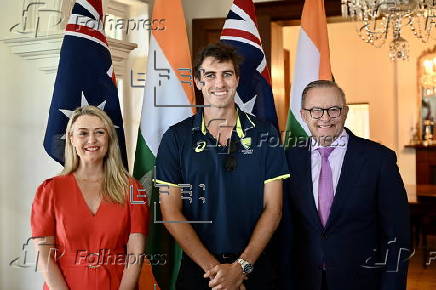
point(254, 93)
point(85, 77)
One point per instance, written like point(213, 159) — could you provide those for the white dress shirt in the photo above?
point(336, 159)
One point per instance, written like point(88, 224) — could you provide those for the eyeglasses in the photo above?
point(230, 161)
point(332, 112)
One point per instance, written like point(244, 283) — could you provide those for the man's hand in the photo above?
point(225, 276)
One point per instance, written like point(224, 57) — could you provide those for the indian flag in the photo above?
point(312, 63)
point(168, 99)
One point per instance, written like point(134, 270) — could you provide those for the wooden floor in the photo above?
point(421, 278)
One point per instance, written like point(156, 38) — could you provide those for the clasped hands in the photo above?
point(226, 277)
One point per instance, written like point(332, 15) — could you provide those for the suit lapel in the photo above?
point(353, 161)
point(307, 196)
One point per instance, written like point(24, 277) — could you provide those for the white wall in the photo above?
point(25, 94)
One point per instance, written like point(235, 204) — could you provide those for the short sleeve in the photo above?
point(42, 218)
point(138, 208)
point(275, 160)
point(168, 168)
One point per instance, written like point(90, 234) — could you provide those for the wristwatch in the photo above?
point(247, 268)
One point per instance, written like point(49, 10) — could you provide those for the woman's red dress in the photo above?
point(90, 249)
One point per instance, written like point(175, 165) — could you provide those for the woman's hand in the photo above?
point(135, 248)
point(45, 247)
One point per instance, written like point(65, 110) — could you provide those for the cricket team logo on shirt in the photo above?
point(246, 143)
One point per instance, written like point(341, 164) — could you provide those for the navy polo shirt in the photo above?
point(223, 206)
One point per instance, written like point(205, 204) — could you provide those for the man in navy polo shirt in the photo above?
point(223, 199)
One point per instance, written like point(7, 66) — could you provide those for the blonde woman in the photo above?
point(87, 230)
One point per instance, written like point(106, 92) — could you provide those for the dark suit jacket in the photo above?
point(369, 221)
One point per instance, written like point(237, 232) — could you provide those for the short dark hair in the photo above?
point(221, 52)
point(322, 84)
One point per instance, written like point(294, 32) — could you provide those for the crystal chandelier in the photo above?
point(378, 17)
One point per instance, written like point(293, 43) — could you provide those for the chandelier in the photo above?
point(377, 18)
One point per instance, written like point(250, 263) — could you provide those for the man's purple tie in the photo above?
point(325, 185)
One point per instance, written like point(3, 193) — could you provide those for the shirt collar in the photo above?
point(244, 122)
point(340, 142)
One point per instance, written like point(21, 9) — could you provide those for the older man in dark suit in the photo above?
point(346, 219)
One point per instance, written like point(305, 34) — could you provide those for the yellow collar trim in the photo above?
point(203, 126)
point(239, 129)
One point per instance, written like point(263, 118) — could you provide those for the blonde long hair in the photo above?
point(116, 178)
